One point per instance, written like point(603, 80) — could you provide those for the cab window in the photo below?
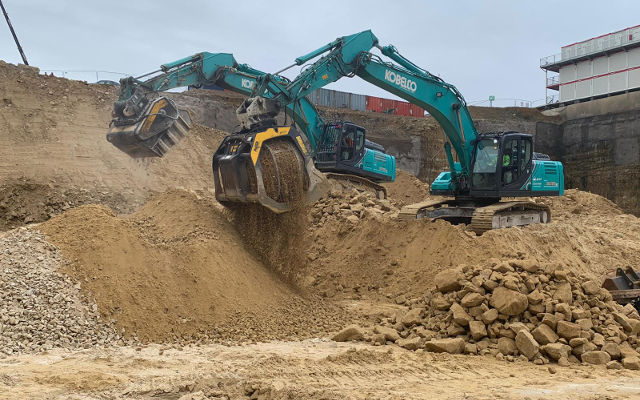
point(359, 140)
point(486, 156)
point(485, 164)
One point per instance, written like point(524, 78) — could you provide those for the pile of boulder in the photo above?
point(350, 205)
point(514, 310)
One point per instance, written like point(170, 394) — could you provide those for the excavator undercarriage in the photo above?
point(480, 217)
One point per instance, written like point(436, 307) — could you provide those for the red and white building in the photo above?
point(598, 67)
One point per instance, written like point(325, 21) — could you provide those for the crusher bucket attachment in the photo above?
point(152, 132)
point(624, 286)
point(271, 167)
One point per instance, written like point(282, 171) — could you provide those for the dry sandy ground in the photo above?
point(308, 369)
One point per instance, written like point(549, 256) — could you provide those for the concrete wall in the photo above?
point(600, 149)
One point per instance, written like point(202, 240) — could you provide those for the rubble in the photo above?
point(40, 308)
point(521, 309)
point(350, 206)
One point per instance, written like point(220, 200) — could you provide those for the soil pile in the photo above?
point(406, 189)
point(177, 269)
point(386, 258)
point(40, 308)
point(515, 309)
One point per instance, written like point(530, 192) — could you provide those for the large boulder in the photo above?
point(412, 317)
point(526, 344)
point(613, 349)
point(568, 330)
point(460, 316)
point(590, 287)
point(472, 299)
point(448, 280)
point(507, 346)
point(563, 293)
point(489, 316)
point(557, 351)
point(389, 334)
point(631, 363)
point(410, 344)
point(351, 332)
point(528, 265)
point(509, 302)
point(452, 345)
point(544, 334)
point(596, 357)
point(623, 321)
point(477, 329)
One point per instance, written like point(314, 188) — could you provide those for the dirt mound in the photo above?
point(379, 258)
point(176, 268)
point(406, 189)
point(41, 309)
point(581, 203)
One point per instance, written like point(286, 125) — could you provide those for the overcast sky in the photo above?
point(483, 47)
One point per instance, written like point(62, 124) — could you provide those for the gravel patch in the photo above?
point(40, 308)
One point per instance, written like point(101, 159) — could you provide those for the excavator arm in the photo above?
point(349, 56)
point(144, 125)
point(134, 108)
point(248, 166)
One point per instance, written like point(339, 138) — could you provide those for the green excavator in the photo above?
point(486, 168)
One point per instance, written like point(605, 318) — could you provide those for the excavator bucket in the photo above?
point(159, 127)
point(271, 167)
point(624, 286)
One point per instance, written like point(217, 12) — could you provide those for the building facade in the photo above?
point(598, 67)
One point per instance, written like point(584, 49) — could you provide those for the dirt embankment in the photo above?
point(52, 133)
point(177, 269)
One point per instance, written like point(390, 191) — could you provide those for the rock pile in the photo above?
point(350, 206)
point(39, 308)
point(518, 309)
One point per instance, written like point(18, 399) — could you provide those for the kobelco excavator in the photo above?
point(488, 167)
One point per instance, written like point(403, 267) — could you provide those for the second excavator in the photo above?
point(262, 162)
point(487, 167)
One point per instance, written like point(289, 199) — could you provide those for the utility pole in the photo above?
point(15, 37)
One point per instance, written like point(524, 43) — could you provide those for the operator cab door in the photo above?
point(351, 148)
point(484, 174)
point(515, 163)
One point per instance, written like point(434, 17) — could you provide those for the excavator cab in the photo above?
point(505, 165)
point(344, 148)
point(502, 165)
point(338, 144)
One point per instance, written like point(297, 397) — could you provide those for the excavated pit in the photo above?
point(141, 253)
